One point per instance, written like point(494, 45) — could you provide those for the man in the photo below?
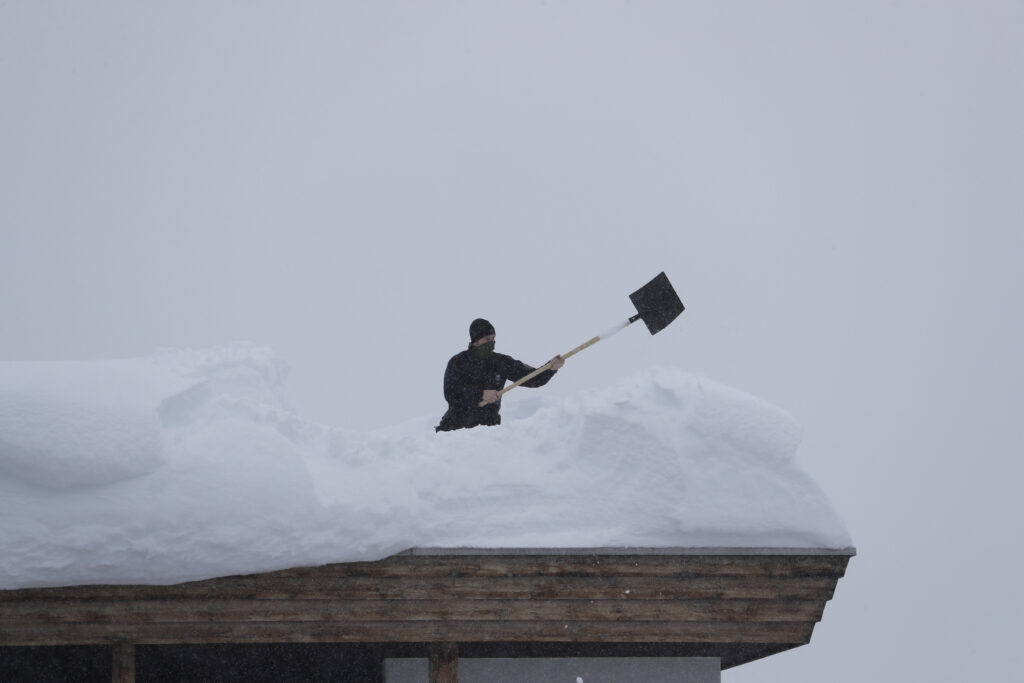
point(478, 374)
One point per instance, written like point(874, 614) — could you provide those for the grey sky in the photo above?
point(834, 188)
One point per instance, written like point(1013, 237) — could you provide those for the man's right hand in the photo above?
point(490, 396)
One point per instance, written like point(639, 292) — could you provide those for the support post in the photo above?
point(123, 665)
point(444, 663)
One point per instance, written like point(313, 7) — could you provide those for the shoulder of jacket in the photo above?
point(466, 356)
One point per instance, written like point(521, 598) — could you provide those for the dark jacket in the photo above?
point(467, 376)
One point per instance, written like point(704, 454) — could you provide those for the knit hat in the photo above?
point(479, 329)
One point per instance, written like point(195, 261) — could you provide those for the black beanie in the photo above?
point(479, 329)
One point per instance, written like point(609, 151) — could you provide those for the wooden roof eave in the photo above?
point(736, 604)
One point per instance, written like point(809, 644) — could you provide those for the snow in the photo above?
point(192, 464)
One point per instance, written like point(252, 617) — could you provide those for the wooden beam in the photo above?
point(357, 611)
point(444, 663)
point(273, 587)
point(411, 632)
point(123, 663)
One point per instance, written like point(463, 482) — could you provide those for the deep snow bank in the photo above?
point(191, 464)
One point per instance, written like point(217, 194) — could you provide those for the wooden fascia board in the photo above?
point(769, 599)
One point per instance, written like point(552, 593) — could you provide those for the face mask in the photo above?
point(483, 350)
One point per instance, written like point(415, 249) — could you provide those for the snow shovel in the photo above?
point(657, 304)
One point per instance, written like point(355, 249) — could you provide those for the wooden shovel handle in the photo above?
point(546, 366)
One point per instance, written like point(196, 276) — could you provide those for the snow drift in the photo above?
point(192, 464)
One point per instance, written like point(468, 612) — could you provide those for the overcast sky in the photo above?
point(836, 190)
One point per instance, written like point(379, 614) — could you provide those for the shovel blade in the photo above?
point(657, 303)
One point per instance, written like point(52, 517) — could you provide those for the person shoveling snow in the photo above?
point(474, 380)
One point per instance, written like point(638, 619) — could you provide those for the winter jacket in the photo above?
point(465, 379)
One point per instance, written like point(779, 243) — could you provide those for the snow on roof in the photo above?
point(192, 464)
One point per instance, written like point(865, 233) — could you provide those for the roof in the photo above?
point(736, 604)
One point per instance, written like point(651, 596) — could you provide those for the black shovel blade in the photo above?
point(657, 303)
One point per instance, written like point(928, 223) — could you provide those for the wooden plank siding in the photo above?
point(754, 603)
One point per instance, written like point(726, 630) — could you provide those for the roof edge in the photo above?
point(628, 550)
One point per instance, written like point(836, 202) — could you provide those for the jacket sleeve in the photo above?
point(515, 370)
